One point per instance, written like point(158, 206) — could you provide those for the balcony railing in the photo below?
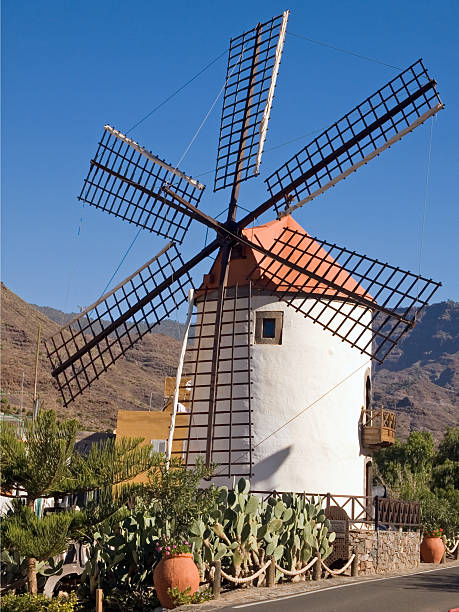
point(378, 427)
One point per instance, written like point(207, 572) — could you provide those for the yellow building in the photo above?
point(154, 426)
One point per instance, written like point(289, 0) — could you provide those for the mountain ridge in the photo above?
point(134, 382)
point(419, 379)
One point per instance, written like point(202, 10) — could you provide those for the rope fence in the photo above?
point(296, 572)
point(258, 573)
point(268, 570)
point(454, 549)
point(340, 571)
point(235, 580)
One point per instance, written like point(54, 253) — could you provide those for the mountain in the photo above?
point(129, 384)
point(174, 329)
point(419, 379)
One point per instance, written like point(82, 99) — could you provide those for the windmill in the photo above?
point(360, 303)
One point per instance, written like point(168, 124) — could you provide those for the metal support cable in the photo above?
point(295, 416)
point(121, 262)
point(172, 95)
point(346, 51)
point(426, 197)
point(156, 108)
point(210, 109)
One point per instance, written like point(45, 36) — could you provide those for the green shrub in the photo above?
point(441, 510)
point(37, 603)
point(183, 598)
point(135, 599)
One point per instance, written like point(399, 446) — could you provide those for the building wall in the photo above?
point(307, 395)
point(150, 426)
point(311, 389)
point(380, 552)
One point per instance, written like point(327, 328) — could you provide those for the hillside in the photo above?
point(127, 385)
point(419, 380)
point(174, 329)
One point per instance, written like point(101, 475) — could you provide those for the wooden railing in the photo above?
point(365, 510)
point(378, 427)
point(358, 508)
point(396, 513)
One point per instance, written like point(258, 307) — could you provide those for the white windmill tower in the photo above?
point(289, 392)
point(286, 325)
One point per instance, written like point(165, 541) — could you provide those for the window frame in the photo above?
point(278, 316)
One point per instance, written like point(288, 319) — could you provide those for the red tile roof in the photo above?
point(301, 250)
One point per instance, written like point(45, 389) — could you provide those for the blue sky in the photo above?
point(71, 67)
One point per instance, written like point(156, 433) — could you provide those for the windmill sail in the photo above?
point(363, 301)
point(230, 431)
point(128, 181)
point(87, 346)
point(371, 127)
point(269, 99)
point(253, 65)
point(366, 303)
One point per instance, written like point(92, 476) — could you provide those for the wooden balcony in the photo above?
point(378, 428)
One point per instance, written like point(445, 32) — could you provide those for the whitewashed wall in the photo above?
point(315, 373)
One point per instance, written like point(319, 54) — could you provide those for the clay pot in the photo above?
point(178, 571)
point(432, 550)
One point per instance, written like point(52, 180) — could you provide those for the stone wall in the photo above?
point(385, 551)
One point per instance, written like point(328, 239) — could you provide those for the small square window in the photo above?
point(238, 252)
point(268, 327)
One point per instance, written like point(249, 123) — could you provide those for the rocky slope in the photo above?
point(127, 385)
point(419, 380)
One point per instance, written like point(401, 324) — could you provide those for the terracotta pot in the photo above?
point(432, 550)
point(178, 571)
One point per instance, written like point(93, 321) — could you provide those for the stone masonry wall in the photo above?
point(385, 551)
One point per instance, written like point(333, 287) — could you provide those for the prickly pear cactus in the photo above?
point(122, 555)
point(243, 531)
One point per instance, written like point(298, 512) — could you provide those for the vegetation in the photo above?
point(243, 531)
point(42, 462)
point(169, 549)
point(38, 603)
point(127, 528)
point(183, 598)
point(124, 552)
point(232, 526)
point(173, 496)
point(415, 470)
point(134, 599)
point(122, 555)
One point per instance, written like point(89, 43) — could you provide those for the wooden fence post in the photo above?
point(271, 577)
point(99, 595)
point(317, 569)
point(355, 564)
point(443, 559)
point(217, 581)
